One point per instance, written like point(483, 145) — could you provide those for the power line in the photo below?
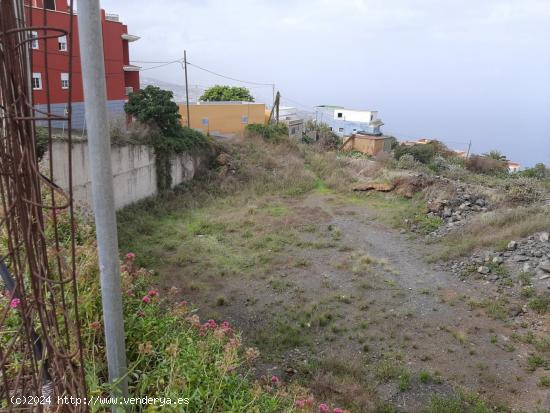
point(228, 77)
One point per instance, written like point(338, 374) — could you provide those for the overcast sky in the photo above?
point(453, 70)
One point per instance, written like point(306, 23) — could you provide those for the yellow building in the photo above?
point(222, 118)
point(368, 144)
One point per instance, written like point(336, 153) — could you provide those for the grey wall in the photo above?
point(134, 172)
point(115, 108)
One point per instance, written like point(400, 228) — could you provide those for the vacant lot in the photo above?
point(332, 294)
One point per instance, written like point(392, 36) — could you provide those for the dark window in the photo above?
point(339, 114)
point(49, 4)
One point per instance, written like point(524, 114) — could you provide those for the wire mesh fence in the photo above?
point(40, 345)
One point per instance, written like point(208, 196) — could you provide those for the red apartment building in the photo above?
point(121, 77)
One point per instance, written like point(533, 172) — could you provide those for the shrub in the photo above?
point(407, 161)
point(271, 131)
point(524, 190)
point(539, 171)
point(421, 153)
point(484, 165)
point(41, 143)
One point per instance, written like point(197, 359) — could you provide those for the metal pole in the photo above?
point(99, 145)
point(186, 89)
point(469, 147)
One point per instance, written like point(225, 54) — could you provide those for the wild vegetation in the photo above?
point(158, 114)
point(227, 93)
point(266, 240)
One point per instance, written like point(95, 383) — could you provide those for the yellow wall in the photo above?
point(223, 118)
point(370, 146)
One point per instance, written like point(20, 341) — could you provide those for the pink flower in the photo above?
point(130, 256)
point(274, 379)
point(146, 299)
point(152, 293)
point(337, 410)
point(300, 404)
point(323, 408)
point(183, 303)
point(14, 303)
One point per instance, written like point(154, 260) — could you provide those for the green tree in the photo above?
point(154, 106)
point(220, 93)
point(496, 155)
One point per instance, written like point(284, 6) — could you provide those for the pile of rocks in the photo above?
point(459, 208)
point(456, 211)
point(530, 255)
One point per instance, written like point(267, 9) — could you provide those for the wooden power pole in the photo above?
point(186, 87)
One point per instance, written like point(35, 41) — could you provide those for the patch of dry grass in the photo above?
point(487, 230)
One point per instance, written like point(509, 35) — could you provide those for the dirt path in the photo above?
point(362, 316)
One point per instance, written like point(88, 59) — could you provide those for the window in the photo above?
point(244, 119)
point(34, 41)
point(339, 114)
point(49, 4)
point(293, 131)
point(36, 81)
point(62, 43)
point(340, 129)
point(64, 80)
point(204, 121)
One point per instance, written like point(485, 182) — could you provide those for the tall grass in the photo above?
point(492, 228)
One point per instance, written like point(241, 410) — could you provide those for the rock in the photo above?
point(544, 236)
point(526, 267)
point(483, 270)
point(447, 212)
point(521, 259)
point(480, 202)
point(464, 205)
point(545, 266)
point(498, 260)
point(375, 186)
point(512, 245)
point(544, 277)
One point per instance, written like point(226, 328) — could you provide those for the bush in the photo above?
point(42, 140)
point(422, 153)
point(539, 171)
point(484, 165)
point(407, 161)
point(524, 190)
point(271, 131)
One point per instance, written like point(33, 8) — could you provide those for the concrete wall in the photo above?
point(134, 172)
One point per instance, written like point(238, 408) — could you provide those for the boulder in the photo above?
point(545, 266)
point(498, 260)
point(483, 270)
point(375, 186)
point(543, 236)
point(512, 245)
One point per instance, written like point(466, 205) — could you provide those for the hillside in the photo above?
point(416, 297)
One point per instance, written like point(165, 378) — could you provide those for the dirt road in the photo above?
point(352, 307)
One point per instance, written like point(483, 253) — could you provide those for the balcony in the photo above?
point(129, 37)
point(112, 17)
point(131, 68)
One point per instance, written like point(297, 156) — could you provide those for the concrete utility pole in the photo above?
point(186, 89)
point(99, 145)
